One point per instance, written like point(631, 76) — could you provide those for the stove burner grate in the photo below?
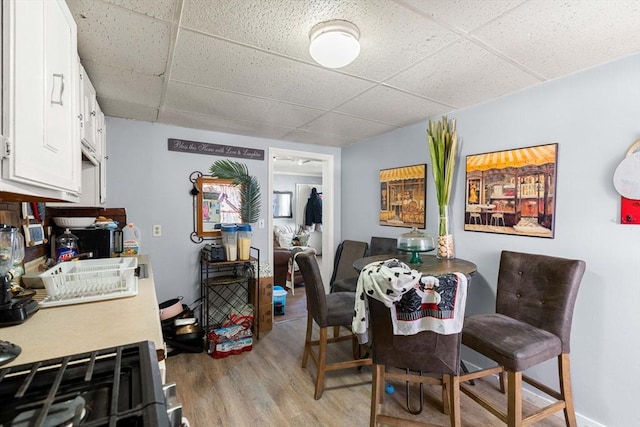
point(119, 386)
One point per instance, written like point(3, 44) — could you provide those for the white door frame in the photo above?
point(328, 203)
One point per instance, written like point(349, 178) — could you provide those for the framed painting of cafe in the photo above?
point(512, 191)
point(403, 196)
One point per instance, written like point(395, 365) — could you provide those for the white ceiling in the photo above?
point(243, 67)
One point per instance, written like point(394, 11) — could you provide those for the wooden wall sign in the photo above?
point(214, 149)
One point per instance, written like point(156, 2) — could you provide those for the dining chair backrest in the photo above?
point(347, 252)
point(426, 351)
point(539, 290)
point(383, 245)
point(314, 288)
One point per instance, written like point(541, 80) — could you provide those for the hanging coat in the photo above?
point(313, 210)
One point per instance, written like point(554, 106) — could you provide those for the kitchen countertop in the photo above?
point(60, 331)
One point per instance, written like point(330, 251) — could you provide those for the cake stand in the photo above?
point(415, 253)
point(414, 242)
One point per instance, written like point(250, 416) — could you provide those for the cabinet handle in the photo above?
point(61, 76)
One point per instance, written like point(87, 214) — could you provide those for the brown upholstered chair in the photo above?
point(281, 258)
point(327, 311)
point(345, 277)
point(532, 324)
point(425, 352)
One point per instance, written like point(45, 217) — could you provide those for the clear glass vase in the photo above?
point(445, 238)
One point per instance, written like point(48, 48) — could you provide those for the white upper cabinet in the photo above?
point(92, 129)
point(93, 140)
point(41, 154)
point(88, 115)
point(94, 186)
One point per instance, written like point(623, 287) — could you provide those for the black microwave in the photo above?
point(102, 243)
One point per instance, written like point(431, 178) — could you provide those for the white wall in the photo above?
point(152, 183)
point(594, 116)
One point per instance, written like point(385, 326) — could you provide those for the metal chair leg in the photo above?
point(409, 410)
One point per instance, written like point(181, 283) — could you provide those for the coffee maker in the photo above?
point(13, 309)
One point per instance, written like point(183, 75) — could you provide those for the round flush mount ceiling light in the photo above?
point(334, 44)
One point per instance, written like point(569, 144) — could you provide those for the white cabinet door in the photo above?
point(42, 142)
point(90, 186)
point(89, 127)
point(101, 134)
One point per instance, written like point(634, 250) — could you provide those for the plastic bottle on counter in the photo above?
point(230, 241)
point(244, 241)
point(66, 246)
point(131, 240)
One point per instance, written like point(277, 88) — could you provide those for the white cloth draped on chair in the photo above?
point(292, 262)
point(417, 303)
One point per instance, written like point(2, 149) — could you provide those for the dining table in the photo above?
point(431, 264)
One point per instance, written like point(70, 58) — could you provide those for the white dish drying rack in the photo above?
point(75, 282)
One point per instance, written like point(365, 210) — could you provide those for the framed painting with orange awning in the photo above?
point(512, 191)
point(403, 196)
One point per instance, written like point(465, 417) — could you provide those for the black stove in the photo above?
point(115, 387)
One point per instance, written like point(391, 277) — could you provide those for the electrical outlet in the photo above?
point(157, 230)
point(261, 223)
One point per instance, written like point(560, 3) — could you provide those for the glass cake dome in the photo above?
point(415, 242)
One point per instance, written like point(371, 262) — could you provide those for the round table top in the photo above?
point(430, 263)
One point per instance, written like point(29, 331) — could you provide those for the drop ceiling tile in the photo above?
point(160, 9)
point(352, 127)
point(111, 35)
point(557, 38)
point(220, 124)
point(259, 49)
point(210, 62)
point(308, 137)
point(389, 105)
point(127, 110)
point(213, 102)
point(125, 85)
point(462, 75)
point(464, 14)
point(283, 26)
point(279, 26)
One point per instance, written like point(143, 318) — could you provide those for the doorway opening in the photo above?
point(294, 166)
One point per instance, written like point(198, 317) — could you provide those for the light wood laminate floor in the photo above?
point(267, 387)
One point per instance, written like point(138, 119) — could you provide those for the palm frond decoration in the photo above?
point(249, 187)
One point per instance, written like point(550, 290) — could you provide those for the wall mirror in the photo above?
point(282, 204)
point(216, 202)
